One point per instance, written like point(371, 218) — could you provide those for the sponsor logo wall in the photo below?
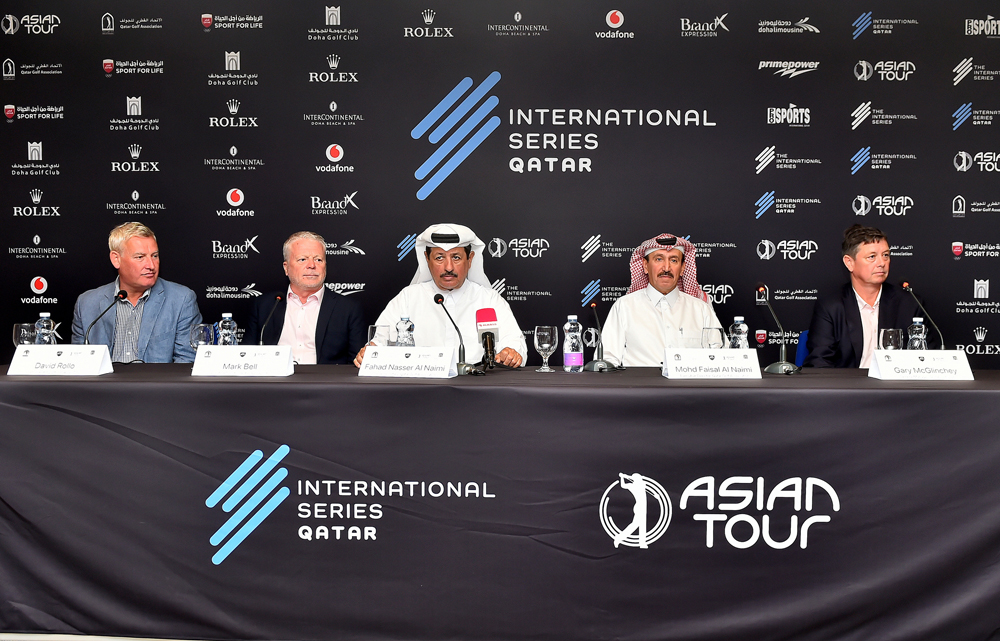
point(370, 122)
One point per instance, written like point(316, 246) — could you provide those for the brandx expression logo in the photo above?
point(461, 134)
point(251, 512)
point(636, 534)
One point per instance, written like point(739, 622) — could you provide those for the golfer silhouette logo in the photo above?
point(637, 534)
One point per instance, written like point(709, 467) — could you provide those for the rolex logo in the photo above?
point(428, 16)
point(36, 195)
point(980, 333)
point(134, 150)
point(234, 106)
point(333, 60)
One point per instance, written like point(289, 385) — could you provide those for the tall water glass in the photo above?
point(546, 337)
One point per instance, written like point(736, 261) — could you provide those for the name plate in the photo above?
point(409, 362)
point(60, 360)
point(243, 360)
point(920, 365)
point(710, 363)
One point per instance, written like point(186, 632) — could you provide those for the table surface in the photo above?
point(635, 377)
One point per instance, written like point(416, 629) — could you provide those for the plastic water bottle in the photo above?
point(738, 333)
point(918, 334)
point(45, 330)
point(572, 345)
point(227, 330)
point(404, 332)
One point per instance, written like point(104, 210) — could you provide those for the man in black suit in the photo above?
point(845, 326)
point(320, 326)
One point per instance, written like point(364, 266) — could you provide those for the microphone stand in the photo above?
point(462, 367)
point(907, 287)
point(782, 366)
point(121, 295)
point(598, 364)
point(277, 299)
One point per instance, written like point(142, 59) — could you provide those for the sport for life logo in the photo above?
point(436, 169)
point(251, 513)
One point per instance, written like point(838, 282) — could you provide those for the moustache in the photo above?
point(665, 274)
point(449, 273)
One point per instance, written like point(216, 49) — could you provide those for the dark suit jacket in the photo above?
point(835, 334)
point(340, 329)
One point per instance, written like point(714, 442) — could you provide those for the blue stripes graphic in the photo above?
point(242, 489)
point(764, 203)
point(860, 158)
point(961, 115)
point(462, 133)
point(863, 22)
point(592, 289)
point(405, 246)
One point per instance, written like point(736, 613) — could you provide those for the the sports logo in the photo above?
point(764, 203)
point(961, 70)
point(235, 197)
point(863, 22)
point(860, 159)
point(766, 250)
point(405, 245)
point(253, 510)
point(335, 153)
point(592, 289)
point(615, 18)
point(962, 161)
point(637, 534)
point(39, 285)
point(961, 115)
point(463, 135)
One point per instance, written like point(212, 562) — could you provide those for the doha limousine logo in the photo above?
point(443, 162)
point(253, 510)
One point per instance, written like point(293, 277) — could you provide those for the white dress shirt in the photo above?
point(869, 327)
point(299, 328)
point(432, 327)
point(642, 324)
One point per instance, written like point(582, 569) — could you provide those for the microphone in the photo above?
point(461, 365)
point(488, 328)
point(277, 299)
point(782, 366)
point(907, 287)
point(599, 364)
point(121, 295)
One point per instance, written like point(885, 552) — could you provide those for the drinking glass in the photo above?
point(546, 337)
point(202, 334)
point(891, 339)
point(380, 335)
point(24, 334)
point(713, 338)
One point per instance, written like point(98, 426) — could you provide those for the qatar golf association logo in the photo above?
point(638, 533)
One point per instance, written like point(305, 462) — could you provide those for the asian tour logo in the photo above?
point(637, 534)
point(443, 162)
point(253, 510)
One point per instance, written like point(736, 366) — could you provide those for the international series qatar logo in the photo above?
point(644, 491)
point(455, 130)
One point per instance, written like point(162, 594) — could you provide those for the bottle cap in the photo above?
point(918, 319)
point(571, 317)
point(44, 315)
point(227, 315)
point(737, 319)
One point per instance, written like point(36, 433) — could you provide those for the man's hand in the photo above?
point(361, 356)
point(508, 357)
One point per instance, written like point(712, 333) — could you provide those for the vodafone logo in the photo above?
point(235, 197)
point(614, 19)
point(39, 285)
point(334, 153)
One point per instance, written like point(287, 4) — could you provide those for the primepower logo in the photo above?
point(251, 512)
point(436, 169)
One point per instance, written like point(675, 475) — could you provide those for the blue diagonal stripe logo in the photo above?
point(860, 158)
point(961, 115)
point(466, 138)
point(764, 203)
point(253, 488)
point(592, 289)
point(863, 22)
point(405, 246)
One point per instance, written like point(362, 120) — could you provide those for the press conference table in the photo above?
point(505, 486)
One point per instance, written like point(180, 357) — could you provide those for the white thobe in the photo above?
point(642, 324)
point(431, 327)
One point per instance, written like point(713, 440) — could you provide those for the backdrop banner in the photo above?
point(198, 510)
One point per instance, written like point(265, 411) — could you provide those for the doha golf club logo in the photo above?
point(455, 130)
point(645, 493)
point(255, 500)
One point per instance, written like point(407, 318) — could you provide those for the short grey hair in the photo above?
point(122, 233)
point(301, 235)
